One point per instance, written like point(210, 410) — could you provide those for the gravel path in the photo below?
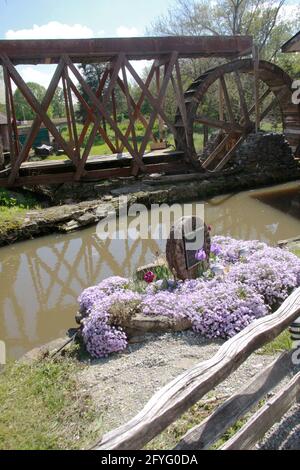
point(122, 384)
point(284, 435)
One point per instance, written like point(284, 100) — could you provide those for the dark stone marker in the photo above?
point(187, 236)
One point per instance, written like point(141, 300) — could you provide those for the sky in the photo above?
point(40, 19)
point(96, 18)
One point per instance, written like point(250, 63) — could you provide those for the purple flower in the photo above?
point(215, 249)
point(200, 255)
point(255, 279)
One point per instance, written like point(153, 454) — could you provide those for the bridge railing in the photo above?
point(181, 393)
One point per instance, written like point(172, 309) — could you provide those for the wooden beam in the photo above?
point(98, 105)
point(184, 391)
point(12, 150)
point(243, 103)
point(88, 108)
point(154, 102)
point(265, 418)
point(140, 102)
point(67, 111)
point(157, 109)
point(214, 426)
point(42, 116)
point(227, 126)
point(137, 163)
point(215, 152)
point(98, 119)
point(92, 119)
point(256, 86)
point(227, 99)
point(104, 49)
point(229, 154)
point(72, 115)
point(14, 118)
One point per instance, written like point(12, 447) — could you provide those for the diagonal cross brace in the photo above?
point(40, 111)
point(99, 106)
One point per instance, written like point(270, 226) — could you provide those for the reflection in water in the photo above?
point(41, 279)
point(286, 200)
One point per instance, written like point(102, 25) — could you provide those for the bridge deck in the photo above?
point(96, 167)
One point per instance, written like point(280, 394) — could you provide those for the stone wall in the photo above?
point(265, 151)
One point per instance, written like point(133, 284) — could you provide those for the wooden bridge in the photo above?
point(271, 86)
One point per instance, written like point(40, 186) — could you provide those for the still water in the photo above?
point(41, 279)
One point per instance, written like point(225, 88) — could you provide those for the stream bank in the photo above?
point(90, 201)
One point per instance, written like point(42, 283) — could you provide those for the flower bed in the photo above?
point(246, 280)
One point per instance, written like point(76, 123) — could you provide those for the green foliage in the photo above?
point(197, 413)
point(23, 110)
point(58, 104)
point(269, 25)
point(42, 406)
point(14, 199)
point(162, 272)
point(13, 207)
point(282, 343)
point(93, 74)
point(263, 20)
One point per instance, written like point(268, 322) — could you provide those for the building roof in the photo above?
point(3, 118)
point(293, 44)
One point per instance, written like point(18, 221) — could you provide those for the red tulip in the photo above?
point(149, 277)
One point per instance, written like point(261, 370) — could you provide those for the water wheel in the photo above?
point(213, 135)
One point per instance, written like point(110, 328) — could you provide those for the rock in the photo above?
point(265, 151)
point(142, 324)
point(107, 198)
point(69, 226)
point(43, 351)
point(141, 271)
point(87, 219)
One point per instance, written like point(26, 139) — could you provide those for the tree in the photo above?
point(268, 22)
point(58, 104)
point(263, 20)
point(92, 74)
point(23, 110)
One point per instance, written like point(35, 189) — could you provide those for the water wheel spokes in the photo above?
point(219, 133)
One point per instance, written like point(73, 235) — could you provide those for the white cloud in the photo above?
point(38, 74)
point(127, 32)
point(51, 30)
point(289, 12)
point(139, 65)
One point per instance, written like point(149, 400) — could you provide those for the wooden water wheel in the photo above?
point(212, 136)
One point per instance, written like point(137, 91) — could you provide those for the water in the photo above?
point(41, 279)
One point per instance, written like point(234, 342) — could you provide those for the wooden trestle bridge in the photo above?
point(271, 86)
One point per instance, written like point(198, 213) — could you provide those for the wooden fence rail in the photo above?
point(176, 397)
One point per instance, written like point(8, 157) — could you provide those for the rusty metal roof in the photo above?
point(293, 44)
point(48, 51)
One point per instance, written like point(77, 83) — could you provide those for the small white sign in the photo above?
point(2, 353)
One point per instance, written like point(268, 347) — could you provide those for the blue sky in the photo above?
point(40, 19)
point(103, 17)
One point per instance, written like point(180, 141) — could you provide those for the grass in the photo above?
point(170, 437)
point(13, 207)
point(282, 343)
point(101, 148)
point(43, 407)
